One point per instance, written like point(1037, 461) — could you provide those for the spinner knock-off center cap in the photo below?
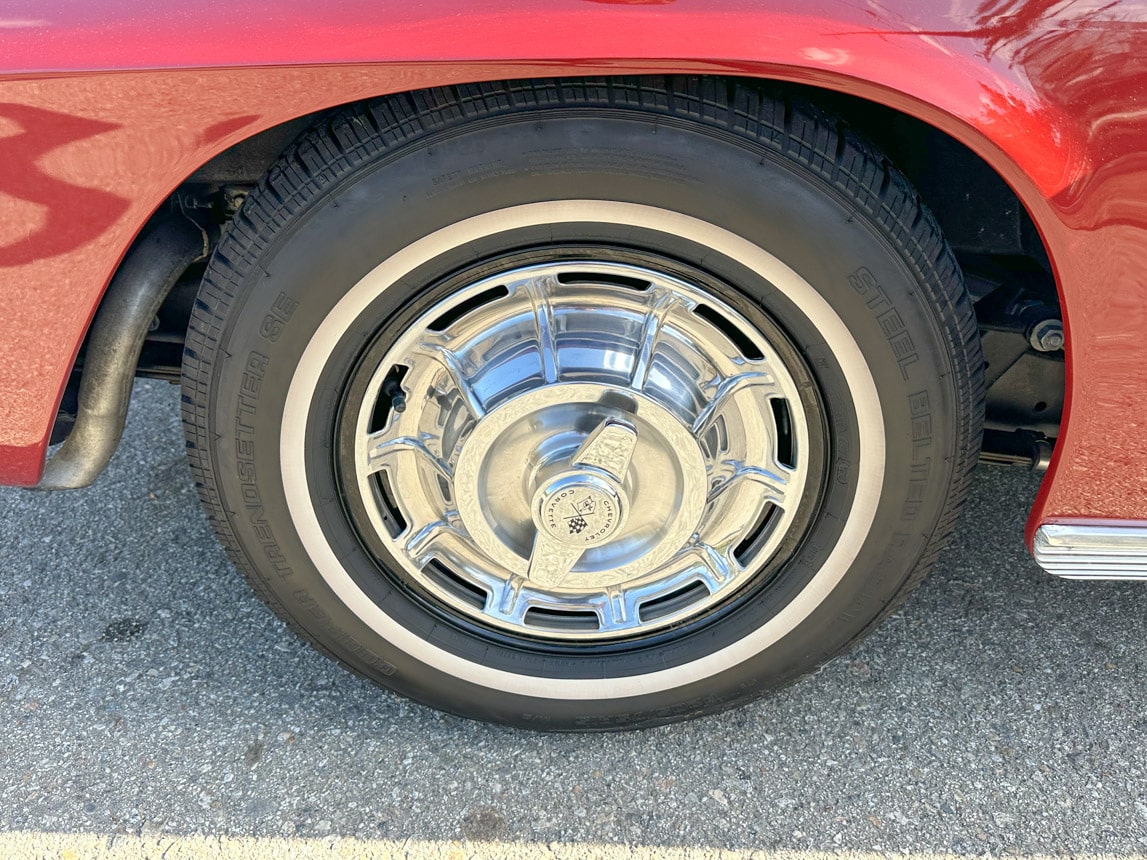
point(579, 509)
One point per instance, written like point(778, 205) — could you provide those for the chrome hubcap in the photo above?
point(587, 450)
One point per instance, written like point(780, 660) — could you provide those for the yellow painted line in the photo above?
point(35, 845)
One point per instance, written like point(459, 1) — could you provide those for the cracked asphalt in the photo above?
point(145, 694)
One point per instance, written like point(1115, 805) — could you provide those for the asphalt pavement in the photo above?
point(148, 699)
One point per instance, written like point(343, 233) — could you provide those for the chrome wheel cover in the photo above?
point(586, 450)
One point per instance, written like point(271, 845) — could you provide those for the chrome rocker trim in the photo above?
point(1092, 551)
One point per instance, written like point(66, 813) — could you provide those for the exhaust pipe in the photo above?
point(115, 340)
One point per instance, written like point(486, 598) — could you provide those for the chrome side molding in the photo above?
point(1092, 551)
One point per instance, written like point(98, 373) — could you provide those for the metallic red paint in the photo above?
point(106, 106)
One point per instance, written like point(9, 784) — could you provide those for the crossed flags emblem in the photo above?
point(578, 523)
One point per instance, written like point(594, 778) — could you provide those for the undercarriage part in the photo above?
point(1021, 448)
point(1025, 387)
point(116, 338)
point(1047, 335)
point(1022, 337)
point(162, 350)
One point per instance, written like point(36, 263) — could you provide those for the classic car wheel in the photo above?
point(582, 405)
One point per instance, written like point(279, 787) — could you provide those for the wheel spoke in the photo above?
point(663, 305)
point(700, 559)
point(717, 567)
point(421, 542)
point(729, 388)
point(775, 482)
point(509, 598)
point(449, 360)
point(379, 449)
point(538, 291)
point(617, 608)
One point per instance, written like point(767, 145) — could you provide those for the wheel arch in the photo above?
point(253, 145)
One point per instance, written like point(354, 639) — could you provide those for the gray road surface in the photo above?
point(145, 692)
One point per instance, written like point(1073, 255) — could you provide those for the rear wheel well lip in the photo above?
point(944, 119)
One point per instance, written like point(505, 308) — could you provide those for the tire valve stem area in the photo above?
point(393, 394)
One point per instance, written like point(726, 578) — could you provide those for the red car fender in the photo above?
point(106, 107)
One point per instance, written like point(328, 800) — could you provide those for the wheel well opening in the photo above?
point(994, 239)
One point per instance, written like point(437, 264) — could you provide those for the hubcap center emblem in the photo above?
point(579, 510)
